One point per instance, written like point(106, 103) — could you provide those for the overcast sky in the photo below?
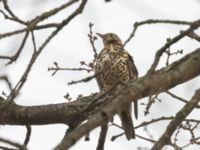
point(71, 46)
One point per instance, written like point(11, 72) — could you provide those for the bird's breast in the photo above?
point(112, 67)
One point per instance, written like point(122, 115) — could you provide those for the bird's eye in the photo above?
point(111, 35)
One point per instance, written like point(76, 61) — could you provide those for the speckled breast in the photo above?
point(111, 67)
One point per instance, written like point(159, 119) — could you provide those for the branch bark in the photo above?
point(72, 113)
point(178, 72)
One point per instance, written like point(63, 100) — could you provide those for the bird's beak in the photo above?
point(100, 35)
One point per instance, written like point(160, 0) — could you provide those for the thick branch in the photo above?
point(45, 114)
point(159, 81)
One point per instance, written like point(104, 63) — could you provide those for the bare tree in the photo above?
point(89, 112)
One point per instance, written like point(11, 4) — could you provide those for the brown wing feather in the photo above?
point(132, 68)
point(99, 82)
point(98, 70)
point(133, 73)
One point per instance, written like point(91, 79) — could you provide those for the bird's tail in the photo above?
point(127, 124)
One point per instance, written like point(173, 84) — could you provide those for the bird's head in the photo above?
point(110, 38)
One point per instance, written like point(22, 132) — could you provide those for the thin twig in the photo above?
point(116, 125)
point(163, 118)
point(7, 34)
point(38, 27)
point(88, 78)
point(179, 98)
point(16, 55)
point(6, 79)
point(57, 68)
point(17, 145)
point(194, 25)
point(113, 138)
point(49, 13)
point(151, 101)
point(146, 139)
point(180, 116)
point(92, 40)
point(169, 54)
point(33, 41)
point(11, 13)
point(32, 24)
point(152, 21)
point(147, 132)
point(28, 135)
point(35, 55)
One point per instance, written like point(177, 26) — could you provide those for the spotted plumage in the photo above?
point(114, 66)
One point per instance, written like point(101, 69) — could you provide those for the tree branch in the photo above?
point(160, 81)
point(180, 116)
point(153, 21)
point(17, 145)
point(74, 112)
point(28, 135)
point(193, 26)
point(40, 49)
point(102, 137)
point(195, 36)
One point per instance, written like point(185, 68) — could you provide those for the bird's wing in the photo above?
point(100, 82)
point(133, 73)
point(99, 73)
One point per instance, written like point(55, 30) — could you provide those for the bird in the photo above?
point(114, 65)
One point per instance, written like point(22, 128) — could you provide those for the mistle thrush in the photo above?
point(114, 65)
